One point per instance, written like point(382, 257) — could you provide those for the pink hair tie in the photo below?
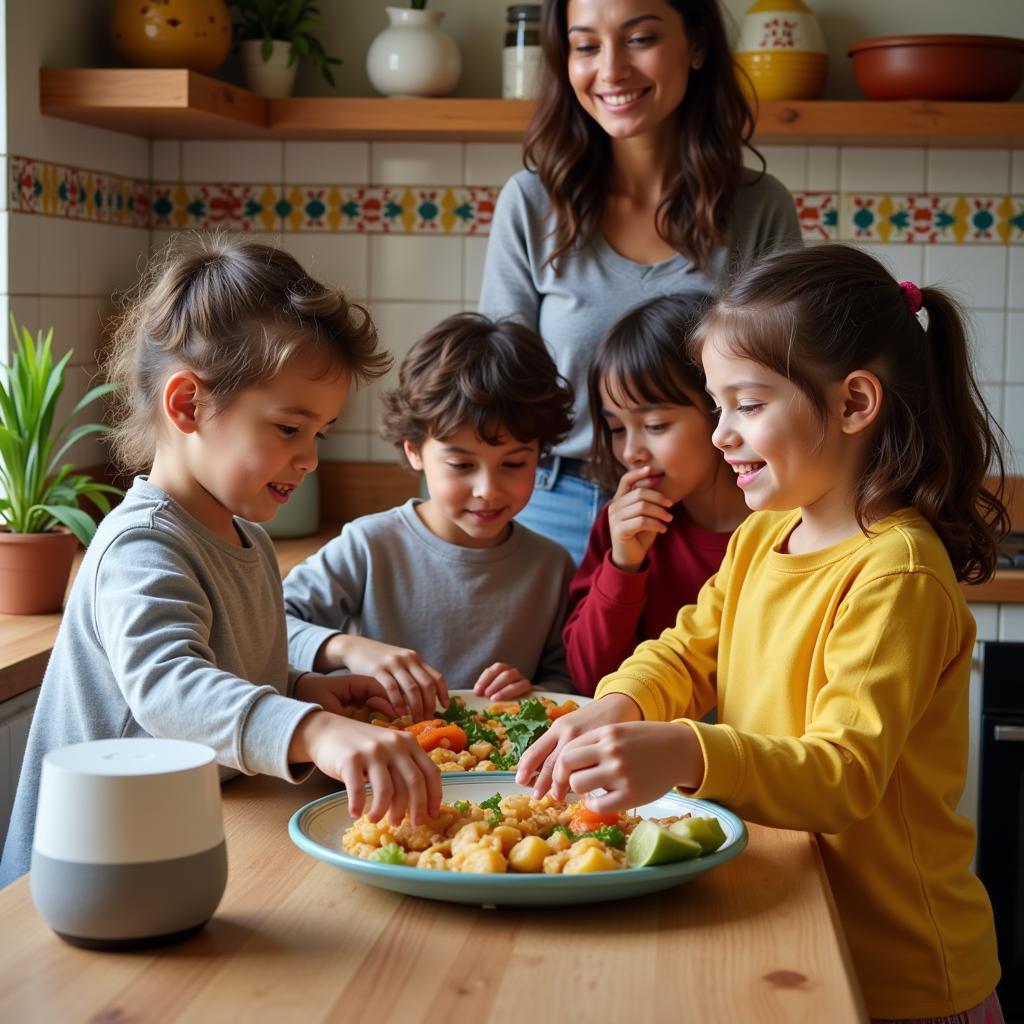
point(912, 295)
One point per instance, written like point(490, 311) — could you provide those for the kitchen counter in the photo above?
point(26, 640)
point(296, 939)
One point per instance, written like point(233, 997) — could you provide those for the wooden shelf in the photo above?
point(175, 103)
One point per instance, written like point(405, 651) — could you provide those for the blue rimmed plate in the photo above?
point(318, 827)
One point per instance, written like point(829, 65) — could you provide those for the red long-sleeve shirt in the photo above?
point(611, 611)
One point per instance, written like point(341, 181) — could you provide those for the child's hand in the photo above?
point(543, 756)
point(502, 682)
point(636, 515)
point(409, 682)
point(401, 775)
point(332, 693)
point(633, 762)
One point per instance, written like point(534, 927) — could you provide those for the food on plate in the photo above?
point(460, 739)
point(519, 834)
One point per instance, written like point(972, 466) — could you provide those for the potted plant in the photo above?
point(272, 35)
point(41, 523)
point(412, 56)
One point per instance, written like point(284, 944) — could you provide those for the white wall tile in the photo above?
point(904, 262)
point(1015, 299)
point(987, 618)
point(59, 239)
point(26, 312)
point(61, 313)
point(165, 160)
point(415, 267)
point(993, 396)
point(345, 448)
point(320, 163)
point(988, 336)
point(881, 170)
point(94, 314)
point(5, 182)
point(113, 152)
point(57, 141)
point(355, 415)
point(23, 253)
point(383, 451)
point(1011, 622)
point(110, 258)
point(491, 163)
point(256, 162)
point(823, 168)
point(1015, 348)
point(416, 163)
point(1013, 416)
point(968, 170)
point(975, 274)
point(77, 381)
point(335, 259)
point(473, 269)
point(1017, 172)
point(399, 325)
point(787, 163)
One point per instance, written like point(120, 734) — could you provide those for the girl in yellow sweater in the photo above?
point(835, 640)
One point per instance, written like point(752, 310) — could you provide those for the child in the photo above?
point(450, 585)
point(232, 362)
point(675, 503)
point(835, 638)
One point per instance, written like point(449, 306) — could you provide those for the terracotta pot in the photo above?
point(938, 67)
point(34, 570)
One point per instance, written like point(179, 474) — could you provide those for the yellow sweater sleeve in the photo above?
point(884, 656)
point(674, 675)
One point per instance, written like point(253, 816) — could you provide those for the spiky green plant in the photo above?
point(37, 490)
point(291, 21)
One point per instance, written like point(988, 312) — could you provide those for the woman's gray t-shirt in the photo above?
point(573, 309)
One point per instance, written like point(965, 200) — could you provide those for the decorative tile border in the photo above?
point(59, 191)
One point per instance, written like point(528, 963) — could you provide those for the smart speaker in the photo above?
point(129, 842)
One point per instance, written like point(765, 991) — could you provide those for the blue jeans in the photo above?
point(563, 507)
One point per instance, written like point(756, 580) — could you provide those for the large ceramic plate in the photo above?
point(318, 827)
point(475, 703)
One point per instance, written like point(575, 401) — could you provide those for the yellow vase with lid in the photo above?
point(782, 51)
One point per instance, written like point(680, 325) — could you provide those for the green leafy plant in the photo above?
point(291, 21)
point(37, 491)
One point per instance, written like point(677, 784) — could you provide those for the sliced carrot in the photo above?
point(557, 710)
point(434, 734)
point(586, 820)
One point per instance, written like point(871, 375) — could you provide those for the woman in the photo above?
point(635, 189)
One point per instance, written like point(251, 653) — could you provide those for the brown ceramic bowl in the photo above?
point(938, 67)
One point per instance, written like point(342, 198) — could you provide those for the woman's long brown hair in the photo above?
point(815, 315)
point(572, 155)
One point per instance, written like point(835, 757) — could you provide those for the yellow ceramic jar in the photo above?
point(194, 34)
point(782, 51)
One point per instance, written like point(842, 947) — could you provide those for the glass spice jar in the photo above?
point(521, 58)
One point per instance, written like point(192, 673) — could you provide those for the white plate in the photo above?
point(475, 703)
point(318, 827)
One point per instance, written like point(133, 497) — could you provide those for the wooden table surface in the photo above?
point(295, 939)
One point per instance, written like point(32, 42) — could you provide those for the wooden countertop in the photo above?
point(754, 940)
point(26, 640)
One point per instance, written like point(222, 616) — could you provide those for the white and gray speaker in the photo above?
point(129, 842)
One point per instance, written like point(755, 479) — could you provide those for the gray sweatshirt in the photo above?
point(572, 310)
point(387, 577)
point(169, 631)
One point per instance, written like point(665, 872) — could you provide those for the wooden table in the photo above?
point(296, 939)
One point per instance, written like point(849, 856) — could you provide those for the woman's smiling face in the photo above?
point(629, 62)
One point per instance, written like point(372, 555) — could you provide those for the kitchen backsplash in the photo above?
point(403, 227)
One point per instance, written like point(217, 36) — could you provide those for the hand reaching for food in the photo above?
point(502, 682)
point(410, 683)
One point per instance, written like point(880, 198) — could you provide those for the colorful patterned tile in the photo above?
point(25, 185)
point(818, 213)
point(1011, 219)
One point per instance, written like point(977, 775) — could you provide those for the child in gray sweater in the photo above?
point(450, 590)
point(232, 362)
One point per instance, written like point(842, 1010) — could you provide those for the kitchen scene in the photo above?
point(500, 333)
